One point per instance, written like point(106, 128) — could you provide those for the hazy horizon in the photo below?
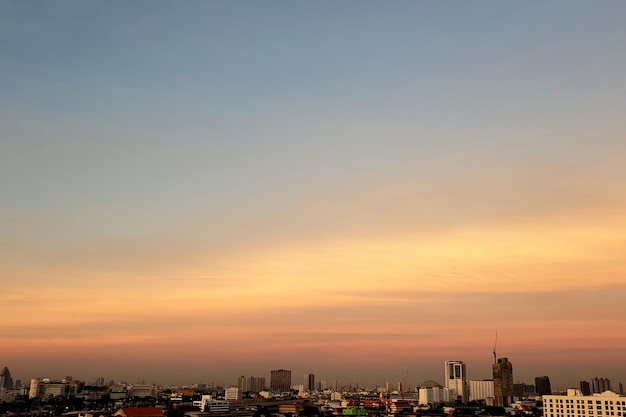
point(197, 190)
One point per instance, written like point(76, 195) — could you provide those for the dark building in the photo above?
point(542, 385)
point(585, 388)
point(6, 381)
point(599, 385)
point(503, 382)
point(309, 382)
point(521, 390)
point(280, 380)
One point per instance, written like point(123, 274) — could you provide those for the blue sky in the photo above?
point(262, 147)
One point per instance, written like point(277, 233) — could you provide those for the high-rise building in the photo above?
point(280, 380)
point(6, 381)
point(585, 387)
point(480, 390)
point(599, 385)
point(309, 382)
point(503, 382)
point(456, 380)
point(251, 384)
point(542, 385)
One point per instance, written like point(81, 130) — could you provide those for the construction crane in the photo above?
point(495, 344)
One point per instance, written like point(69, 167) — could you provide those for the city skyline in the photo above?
point(202, 190)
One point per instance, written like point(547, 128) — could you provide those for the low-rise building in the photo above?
point(575, 404)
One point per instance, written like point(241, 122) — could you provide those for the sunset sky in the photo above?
point(193, 191)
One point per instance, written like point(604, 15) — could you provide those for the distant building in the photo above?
point(599, 385)
point(431, 392)
point(456, 380)
point(232, 393)
point(522, 390)
point(480, 390)
point(575, 404)
point(44, 389)
point(503, 382)
point(542, 385)
point(209, 405)
point(6, 381)
point(280, 380)
point(251, 384)
point(142, 391)
point(309, 382)
point(585, 387)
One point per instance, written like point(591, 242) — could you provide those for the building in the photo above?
point(542, 385)
point(456, 380)
point(585, 387)
point(599, 385)
point(431, 393)
point(209, 405)
point(575, 404)
point(503, 382)
point(309, 382)
point(481, 390)
point(522, 390)
point(280, 380)
point(251, 384)
point(142, 391)
point(6, 381)
point(45, 389)
point(232, 393)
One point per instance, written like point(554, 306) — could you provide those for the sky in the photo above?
point(193, 191)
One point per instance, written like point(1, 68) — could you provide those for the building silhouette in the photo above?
point(280, 380)
point(585, 387)
point(6, 381)
point(599, 385)
point(542, 385)
point(251, 384)
point(309, 382)
point(503, 382)
point(456, 380)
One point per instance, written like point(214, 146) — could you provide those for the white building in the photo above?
point(480, 390)
point(430, 392)
point(209, 405)
point(232, 393)
point(575, 404)
point(455, 380)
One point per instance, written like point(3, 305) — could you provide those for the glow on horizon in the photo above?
point(218, 188)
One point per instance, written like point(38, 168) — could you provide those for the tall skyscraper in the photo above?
point(542, 385)
point(280, 380)
point(503, 382)
point(456, 380)
point(251, 384)
point(585, 387)
point(6, 381)
point(309, 382)
point(599, 385)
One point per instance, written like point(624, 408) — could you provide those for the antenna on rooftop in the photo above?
point(495, 344)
